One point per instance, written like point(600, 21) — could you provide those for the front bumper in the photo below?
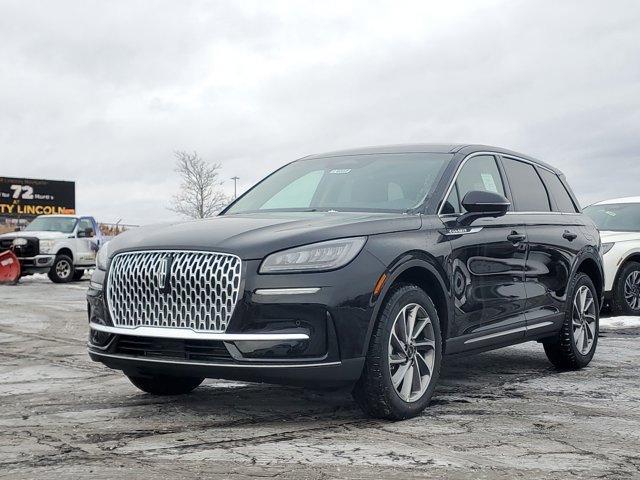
point(314, 338)
point(312, 375)
point(36, 264)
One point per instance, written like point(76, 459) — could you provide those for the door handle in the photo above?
point(569, 235)
point(515, 237)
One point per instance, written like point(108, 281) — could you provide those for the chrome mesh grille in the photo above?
point(201, 292)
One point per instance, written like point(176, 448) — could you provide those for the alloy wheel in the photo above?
point(584, 320)
point(63, 269)
point(632, 290)
point(411, 352)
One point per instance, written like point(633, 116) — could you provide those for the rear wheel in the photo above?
point(403, 361)
point(574, 346)
point(62, 269)
point(626, 295)
point(165, 384)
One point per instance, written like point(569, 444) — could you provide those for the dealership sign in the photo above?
point(28, 197)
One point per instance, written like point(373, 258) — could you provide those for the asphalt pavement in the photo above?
point(505, 414)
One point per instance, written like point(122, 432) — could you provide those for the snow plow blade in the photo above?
point(9, 268)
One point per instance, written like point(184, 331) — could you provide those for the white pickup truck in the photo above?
point(62, 246)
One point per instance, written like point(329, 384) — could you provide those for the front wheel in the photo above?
point(165, 384)
point(626, 295)
point(62, 269)
point(403, 361)
point(574, 346)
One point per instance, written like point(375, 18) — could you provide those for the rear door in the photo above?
point(554, 237)
point(486, 265)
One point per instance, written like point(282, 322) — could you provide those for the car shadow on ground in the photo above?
point(481, 376)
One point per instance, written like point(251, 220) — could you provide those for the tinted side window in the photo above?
point(527, 189)
point(478, 173)
point(558, 191)
point(84, 224)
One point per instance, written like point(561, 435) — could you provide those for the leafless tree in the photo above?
point(200, 194)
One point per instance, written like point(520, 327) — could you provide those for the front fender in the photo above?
point(613, 260)
point(399, 266)
point(65, 244)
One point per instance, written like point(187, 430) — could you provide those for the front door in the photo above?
point(487, 265)
point(86, 242)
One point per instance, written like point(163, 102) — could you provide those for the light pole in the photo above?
point(235, 186)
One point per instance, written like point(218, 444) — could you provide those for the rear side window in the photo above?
point(478, 173)
point(558, 191)
point(527, 189)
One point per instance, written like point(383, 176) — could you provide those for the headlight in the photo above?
point(19, 242)
point(315, 257)
point(102, 257)
point(46, 246)
point(605, 247)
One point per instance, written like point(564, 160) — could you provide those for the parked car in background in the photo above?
point(619, 223)
point(359, 268)
point(63, 246)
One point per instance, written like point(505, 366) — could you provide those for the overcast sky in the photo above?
point(103, 92)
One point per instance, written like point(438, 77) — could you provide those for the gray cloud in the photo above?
point(104, 92)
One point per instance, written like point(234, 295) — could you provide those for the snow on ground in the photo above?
point(613, 323)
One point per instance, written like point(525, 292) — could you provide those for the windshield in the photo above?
point(52, 224)
point(620, 217)
point(387, 182)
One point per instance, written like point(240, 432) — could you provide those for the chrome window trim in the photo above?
point(520, 159)
point(455, 178)
point(455, 215)
point(494, 154)
point(189, 334)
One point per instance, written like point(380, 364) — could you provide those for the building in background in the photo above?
point(22, 199)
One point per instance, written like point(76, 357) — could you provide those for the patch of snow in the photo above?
point(613, 323)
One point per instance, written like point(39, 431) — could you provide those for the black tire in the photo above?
point(62, 269)
point(165, 384)
point(374, 391)
point(620, 304)
point(77, 275)
point(562, 350)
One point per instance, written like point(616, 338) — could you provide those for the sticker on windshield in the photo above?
point(489, 182)
point(341, 171)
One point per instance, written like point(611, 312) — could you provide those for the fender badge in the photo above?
point(449, 232)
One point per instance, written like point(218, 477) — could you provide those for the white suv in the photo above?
point(619, 223)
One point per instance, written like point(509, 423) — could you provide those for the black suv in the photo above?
point(361, 267)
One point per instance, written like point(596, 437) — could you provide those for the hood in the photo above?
point(253, 236)
point(609, 236)
point(35, 234)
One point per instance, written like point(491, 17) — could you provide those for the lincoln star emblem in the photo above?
point(164, 275)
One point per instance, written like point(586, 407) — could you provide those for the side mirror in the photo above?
point(86, 233)
point(481, 204)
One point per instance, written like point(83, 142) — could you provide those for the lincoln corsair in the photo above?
point(360, 268)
